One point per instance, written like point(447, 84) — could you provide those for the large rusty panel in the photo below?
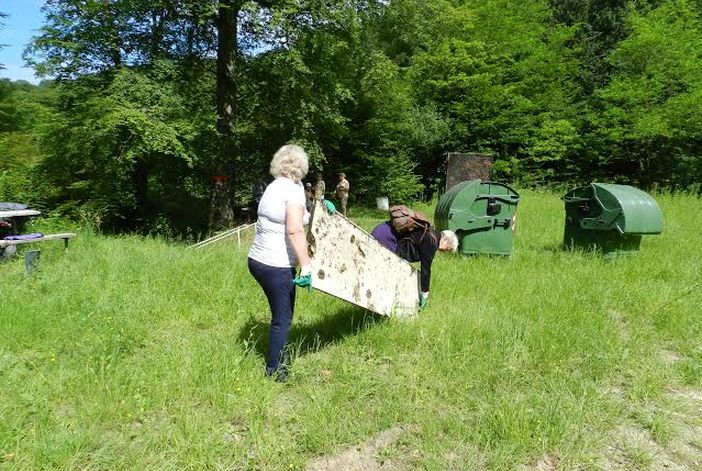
point(466, 166)
point(351, 265)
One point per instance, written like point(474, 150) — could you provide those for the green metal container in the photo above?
point(482, 214)
point(611, 218)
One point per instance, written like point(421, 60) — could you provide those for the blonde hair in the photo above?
point(290, 161)
point(451, 239)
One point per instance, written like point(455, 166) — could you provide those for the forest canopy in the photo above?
point(145, 102)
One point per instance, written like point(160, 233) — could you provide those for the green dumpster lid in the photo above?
point(637, 212)
point(460, 197)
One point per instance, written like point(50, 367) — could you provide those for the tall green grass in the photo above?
point(130, 353)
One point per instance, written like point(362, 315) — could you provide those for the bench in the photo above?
point(19, 213)
point(9, 243)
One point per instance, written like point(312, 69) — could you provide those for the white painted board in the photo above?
point(350, 264)
point(19, 213)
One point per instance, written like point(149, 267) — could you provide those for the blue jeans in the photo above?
point(280, 291)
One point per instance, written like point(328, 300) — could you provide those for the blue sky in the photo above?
point(24, 19)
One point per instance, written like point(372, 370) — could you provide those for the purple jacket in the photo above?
point(384, 234)
point(418, 246)
point(33, 235)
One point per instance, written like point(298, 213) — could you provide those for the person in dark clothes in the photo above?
point(417, 246)
point(309, 196)
point(320, 188)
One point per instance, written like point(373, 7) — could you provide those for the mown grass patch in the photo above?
point(130, 353)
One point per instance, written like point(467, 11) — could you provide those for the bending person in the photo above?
point(279, 245)
point(417, 246)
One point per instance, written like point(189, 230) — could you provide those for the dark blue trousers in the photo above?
point(280, 291)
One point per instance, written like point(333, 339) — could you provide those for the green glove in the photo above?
point(304, 279)
point(330, 206)
point(304, 282)
point(423, 299)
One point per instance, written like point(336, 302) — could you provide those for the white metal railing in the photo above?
point(224, 235)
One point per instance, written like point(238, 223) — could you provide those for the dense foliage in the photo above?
point(128, 133)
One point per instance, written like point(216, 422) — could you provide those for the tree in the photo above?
point(82, 37)
point(280, 29)
point(222, 214)
point(124, 154)
point(2, 25)
point(600, 25)
point(505, 84)
point(24, 111)
point(647, 118)
point(328, 86)
point(94, 54)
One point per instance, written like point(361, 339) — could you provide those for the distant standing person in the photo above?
point(309, 196)
point(342, 192)
point(259, 187)
point(256, 194)
point(279, 245)
point(319, 188)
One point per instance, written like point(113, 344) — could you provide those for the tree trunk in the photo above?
point(222, 214)
point(140, 180)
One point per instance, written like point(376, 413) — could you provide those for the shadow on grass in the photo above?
point(308, 337)
point(592, 251)
point(556, 248)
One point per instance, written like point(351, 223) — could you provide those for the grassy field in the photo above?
point(130, 353)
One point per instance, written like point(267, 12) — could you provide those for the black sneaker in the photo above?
point(280, 375)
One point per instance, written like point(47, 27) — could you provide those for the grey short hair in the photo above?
point(290, 161)
point(451, 239)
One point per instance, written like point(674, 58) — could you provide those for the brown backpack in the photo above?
point(405, 221)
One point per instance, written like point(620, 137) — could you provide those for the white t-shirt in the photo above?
point(271, 245)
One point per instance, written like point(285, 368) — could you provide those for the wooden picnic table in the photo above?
point(16, 218)
point(21, 214)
